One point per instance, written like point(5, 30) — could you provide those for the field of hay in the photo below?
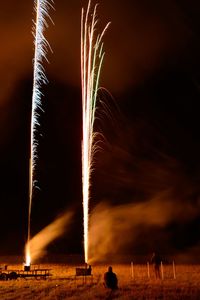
point(62, 284)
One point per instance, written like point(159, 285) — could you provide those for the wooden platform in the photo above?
point(32, 273)
point(84, 273)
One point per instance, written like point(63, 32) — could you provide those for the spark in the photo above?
point(41, 8)
point(92, 56)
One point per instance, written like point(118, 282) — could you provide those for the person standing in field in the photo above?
point(110, 279)
point(156, 261)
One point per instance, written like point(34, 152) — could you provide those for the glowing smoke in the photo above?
point(114, 228)
point(41, 47)
point(91, 61)
point(41, 240)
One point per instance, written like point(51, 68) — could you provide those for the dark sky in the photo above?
point(152, 135)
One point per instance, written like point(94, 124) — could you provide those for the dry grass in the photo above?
point(62, 285)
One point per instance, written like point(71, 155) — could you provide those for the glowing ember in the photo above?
point(28, 256)
point(41, 45)
point(91, 61)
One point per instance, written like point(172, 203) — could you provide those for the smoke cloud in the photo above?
point(113, 228)
point(41, 240)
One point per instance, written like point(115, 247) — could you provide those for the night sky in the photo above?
point(152, 137)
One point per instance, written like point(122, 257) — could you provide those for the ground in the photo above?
point(133, 284)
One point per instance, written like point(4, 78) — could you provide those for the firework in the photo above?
point(92, 55)
point(41, 8)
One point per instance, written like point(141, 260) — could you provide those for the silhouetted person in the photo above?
point(110, 279)
point(156, 261)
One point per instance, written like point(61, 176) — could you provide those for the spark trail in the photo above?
point(92, 56)
point(41, 8)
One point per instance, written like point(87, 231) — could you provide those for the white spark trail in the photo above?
point(91, 62)
point(41, 8)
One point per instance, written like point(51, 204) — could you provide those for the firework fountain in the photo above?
point(41, 8)
point(92, 56)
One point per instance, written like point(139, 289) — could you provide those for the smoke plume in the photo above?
point(114, 228)
point(41, 240)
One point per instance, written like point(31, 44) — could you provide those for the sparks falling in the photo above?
point(92, 56)
point(41, 8)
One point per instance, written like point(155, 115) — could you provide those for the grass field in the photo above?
point(62, 284)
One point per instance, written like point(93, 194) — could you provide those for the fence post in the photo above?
point(148, 270)
point(174, 270)
point(162, 271)
point(132, 270)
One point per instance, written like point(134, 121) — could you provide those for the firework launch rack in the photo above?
point(13, 274)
